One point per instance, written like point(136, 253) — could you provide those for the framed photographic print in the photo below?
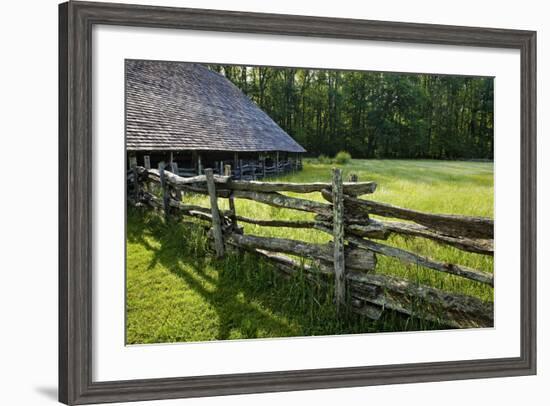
point(257, 202)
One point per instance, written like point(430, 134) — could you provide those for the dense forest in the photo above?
point(373, 114)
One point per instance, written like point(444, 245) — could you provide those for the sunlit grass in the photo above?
point(175, 292)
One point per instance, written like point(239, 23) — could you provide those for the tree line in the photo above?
point(374, 114)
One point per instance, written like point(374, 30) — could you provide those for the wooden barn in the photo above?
point(190, 118)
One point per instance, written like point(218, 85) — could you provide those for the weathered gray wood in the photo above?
point(132, 161)
point(287, 246)
point(187, 207)
point(429, 303)
point(164, 188)
point(348, 219)
point(233, 217)
point(174, 168)
point(136, 183)
point(151, 200)
point(277, 162)
point(227, 170)
point(279, 200)
point(221, 193)
point(372, 229)
point(174, 171)
point(216, 220)
point(292, 266)
point(278, 223)
point(371, 293)
point(372, 311)
point(355, 258)
point(199, 164)
point(361, 228)
point(200, 214)
point(352, 210)
point(409, 257)
point(464, 226)
point(135, 180)
point(147, 161)
point(255, 186)
point(479, 246)
point(338, 236)
point(176, 181)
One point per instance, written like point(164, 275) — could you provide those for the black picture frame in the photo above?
point(76, 20)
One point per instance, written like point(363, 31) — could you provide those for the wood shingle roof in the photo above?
point(185, 106)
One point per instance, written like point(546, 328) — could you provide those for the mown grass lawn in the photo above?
point(177, 292)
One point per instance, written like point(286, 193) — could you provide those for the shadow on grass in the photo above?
point(250, 299)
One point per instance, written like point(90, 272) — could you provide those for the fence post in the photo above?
point(338, 235)
point(175, 171)
point(233, 216)
point(216, 220)
point(147, 161)
point(164, 188)
point(227, 170)
point(133, 167)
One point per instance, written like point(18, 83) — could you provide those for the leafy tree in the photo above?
point(374, 114)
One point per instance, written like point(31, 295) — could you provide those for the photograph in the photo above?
point(273, 202)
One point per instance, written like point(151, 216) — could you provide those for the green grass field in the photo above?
point(177, 292)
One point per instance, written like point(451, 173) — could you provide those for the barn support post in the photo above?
point(199, 164)
point(132, 161)
point(277, 163)
point(338, 235)
point(236, 164)
point(164, 188)
point(263, 165)
point(216, 219)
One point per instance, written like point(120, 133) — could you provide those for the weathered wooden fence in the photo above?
point(350, 258)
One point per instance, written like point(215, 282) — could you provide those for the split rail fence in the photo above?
point(351, 257)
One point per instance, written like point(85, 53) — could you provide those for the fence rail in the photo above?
point(351, 257)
